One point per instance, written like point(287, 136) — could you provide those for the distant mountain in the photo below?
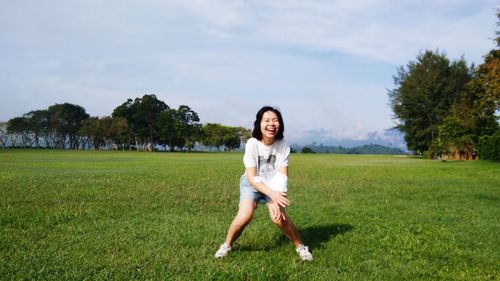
point(389, 138)
point(365, 149)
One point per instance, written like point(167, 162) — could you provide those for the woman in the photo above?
point(265, 180)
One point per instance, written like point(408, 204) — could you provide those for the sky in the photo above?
point(327, 65)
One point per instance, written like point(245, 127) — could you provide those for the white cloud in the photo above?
point(381, 30)
point(325, 63)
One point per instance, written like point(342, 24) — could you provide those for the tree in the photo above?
point(425, 92)
point(474, 115)
point(142, 116)
point(19, 126)
point(484, 94)
point(455, 136)
point(488, 147)
point(65, 121)
point(187, 126)
point(4, 136)
point(120, 132)
point(243, 134)
point(307, 150)
point(39, 125)
point(167, 129)
point(95, 129)
point(211, 135)
point(106, 131)
point(234, 136)
point(482, 99)
point(217, 135)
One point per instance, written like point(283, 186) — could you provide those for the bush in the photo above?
point(428, 154)
point(489, 147)
point(307, 150)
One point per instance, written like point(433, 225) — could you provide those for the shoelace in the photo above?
point(302, 248)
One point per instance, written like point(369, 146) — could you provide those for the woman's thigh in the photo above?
point(247, 208)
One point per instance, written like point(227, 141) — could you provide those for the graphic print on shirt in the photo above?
point(266, 166)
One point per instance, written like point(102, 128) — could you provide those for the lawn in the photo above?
point(73, 215)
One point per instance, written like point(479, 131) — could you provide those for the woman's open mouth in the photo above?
point(271, 130)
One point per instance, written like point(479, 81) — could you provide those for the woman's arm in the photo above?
point(277, 197)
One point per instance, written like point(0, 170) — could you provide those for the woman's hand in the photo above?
point(276, 212)
point(279, 198)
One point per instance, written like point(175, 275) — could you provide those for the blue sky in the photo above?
point(326, 64)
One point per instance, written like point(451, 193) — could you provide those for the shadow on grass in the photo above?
point(313, 236)
point(486, 197)
point(316, 236)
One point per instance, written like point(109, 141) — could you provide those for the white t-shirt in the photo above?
point(268, 160)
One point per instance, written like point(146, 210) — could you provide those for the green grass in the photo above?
point(76, 215)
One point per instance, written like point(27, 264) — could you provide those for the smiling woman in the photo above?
point(265, 180)
point(268, 125)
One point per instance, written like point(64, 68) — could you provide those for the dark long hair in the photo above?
point(257, 133)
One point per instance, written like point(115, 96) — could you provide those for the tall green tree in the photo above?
point(481, 101)
point(230, 138)
point(106, 132)
point(19, 126)
point(179, 128)
point(213, 135)
point(96, 130)
point(167, 130)
point(187, 126)
point(120, 132)
point(65, 121)
point(39, 125)
point(474, 116)
point(485, 92)
point(456, 135)
point(486, 108)
point(142, 116)
point(425, 91)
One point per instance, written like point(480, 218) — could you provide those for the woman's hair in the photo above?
point(257, 133)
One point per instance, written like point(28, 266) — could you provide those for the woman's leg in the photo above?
point(241, 220)
point(283, 221)
point(285, 224)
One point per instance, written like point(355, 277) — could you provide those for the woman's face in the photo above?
point(269, 125)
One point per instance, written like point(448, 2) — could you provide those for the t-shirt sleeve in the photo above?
point(250, 157)
point(286, 153)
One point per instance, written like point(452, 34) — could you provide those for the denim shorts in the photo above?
point(247, 191)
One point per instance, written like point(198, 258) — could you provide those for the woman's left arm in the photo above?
point(276, 210)
point(283, 170)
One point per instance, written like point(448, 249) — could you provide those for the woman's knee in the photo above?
point(277, 221)
point(244, 218)
point(245, 212)
point(280, 222)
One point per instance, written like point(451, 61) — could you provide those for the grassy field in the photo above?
point(73, 215)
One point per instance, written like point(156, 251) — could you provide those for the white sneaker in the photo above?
point(223, 250)
point(304, 253)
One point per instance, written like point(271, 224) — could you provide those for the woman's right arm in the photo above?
point(277, 197)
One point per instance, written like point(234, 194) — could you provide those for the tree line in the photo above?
point(144, 124)
point(364, 149)
point(447, 108)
